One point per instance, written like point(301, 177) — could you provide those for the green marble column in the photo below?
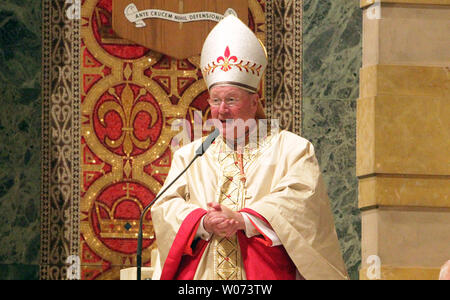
point(20, 133)
point(332, 58)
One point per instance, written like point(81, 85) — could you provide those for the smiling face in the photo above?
point(235, 105)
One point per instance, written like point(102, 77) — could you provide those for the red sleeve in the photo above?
point(265, 240)
point(176, 262)
point(261, 261)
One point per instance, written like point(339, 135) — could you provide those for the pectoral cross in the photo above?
point(180, 10)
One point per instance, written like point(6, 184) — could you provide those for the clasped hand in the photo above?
point(222, 221)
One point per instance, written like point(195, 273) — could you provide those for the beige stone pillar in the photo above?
point(403, 138)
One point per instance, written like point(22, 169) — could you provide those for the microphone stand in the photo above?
point(140, 235)
point(199, 152)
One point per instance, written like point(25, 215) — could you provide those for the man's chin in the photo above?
point(226, 133)
point(231, 133)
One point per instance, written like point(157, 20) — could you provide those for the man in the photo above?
point(249, 208)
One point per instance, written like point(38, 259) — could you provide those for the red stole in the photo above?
point(261, 261)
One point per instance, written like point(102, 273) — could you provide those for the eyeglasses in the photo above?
point(231, 101)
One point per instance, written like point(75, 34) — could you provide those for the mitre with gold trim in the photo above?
point(233, 55)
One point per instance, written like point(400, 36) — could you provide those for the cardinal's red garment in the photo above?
point(260, 260)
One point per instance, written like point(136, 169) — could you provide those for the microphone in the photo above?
point(207, 142)
point(199, 152)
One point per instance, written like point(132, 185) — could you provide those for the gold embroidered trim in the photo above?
point(232, 193)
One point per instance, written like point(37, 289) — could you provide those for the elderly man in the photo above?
point(249, 208)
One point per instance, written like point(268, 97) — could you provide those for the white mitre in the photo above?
point(233, 55)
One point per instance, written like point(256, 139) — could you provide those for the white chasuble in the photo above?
point(279, 179)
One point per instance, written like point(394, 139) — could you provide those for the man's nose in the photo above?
point(223, 108)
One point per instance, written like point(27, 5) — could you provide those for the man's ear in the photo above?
point(255, 99)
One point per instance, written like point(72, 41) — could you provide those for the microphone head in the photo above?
point(207, 142)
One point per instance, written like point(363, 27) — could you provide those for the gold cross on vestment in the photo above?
point(128, 188)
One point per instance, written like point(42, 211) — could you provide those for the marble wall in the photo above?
point(332, 31)
point(20, 133)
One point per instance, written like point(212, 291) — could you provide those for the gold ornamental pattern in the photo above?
point(78, 66)
point(130, 97)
